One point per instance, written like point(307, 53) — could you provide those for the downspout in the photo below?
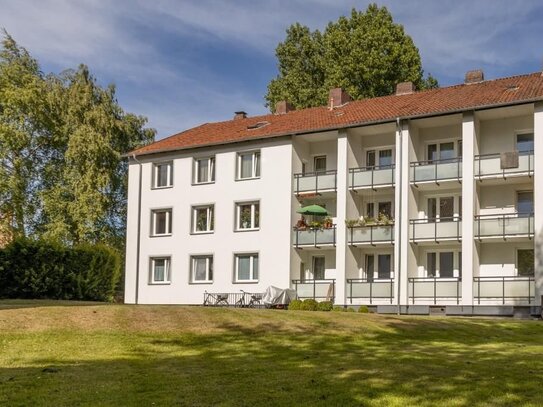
point(400, 221)
point(138, 245)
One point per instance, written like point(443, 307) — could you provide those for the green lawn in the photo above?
point(66, 354)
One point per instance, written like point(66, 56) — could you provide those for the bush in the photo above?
point(363, 309)
point(48, 270)
point(295, 305)
point(350, 309)
point(325, 306)
point(338, 308)
point(309, 305)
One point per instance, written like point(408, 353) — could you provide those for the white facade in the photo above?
point(458, 228)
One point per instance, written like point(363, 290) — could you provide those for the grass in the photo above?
point(66, 354)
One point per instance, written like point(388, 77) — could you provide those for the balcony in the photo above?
point(490, 166)
point(372, 177)
point(518, 290)
point(449, 169)
point(436, 230)
point(435, 290)
point(320, 290)
point(513, 225)
point(314, 237)
point(371, 235)
point(370, 291)
point(315, 182)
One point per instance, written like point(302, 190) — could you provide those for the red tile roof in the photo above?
point(498, 92)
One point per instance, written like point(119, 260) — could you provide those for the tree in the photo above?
point(366, 54)
point(62, 137)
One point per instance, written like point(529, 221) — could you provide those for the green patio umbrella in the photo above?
point(313, 210)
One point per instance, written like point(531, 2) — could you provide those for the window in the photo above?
point(381, 158)
point(384, 207)
point(370, 265)
point(162, 175)
point(202, 269)
point(385, 158)
point(249, 165)
point(318, 268)
point(246, 267)
point(525, 202)
point(203, 219)
point(383, 265)
point(370, 158)
point(440, 264)
point(525, 262)
point(320, 163)
point(442, 208)
point(525, 142)
point(248, 216)
point(160, 270)
point(204, 170)
point(443, 151)
point(161, 222)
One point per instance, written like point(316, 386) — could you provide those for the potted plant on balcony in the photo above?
point(383, 219)
point(315, 224)
point(352, 223)
point(328, 224)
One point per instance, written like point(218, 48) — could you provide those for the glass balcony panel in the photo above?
point(422, 288)
point(449, 230)
point(318, 289)
point(325, 236)
point(447, 288)
point(367, 234)
point(382, 289)
point(314, 236)
point(306, 184)
point(423, 173)
point(504, 225)
point(360, 289)
point(436, 171)
point(491, 165)
point(504, 288)
point(449, 170)
point(327, 181)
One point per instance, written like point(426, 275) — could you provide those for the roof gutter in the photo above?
point(332, 128)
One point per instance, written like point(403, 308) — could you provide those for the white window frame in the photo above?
point(252, 227)
point(211, 172)
point(319, 157)
point(251, 267)
point(169, 216)
point(376, 150)
point(169, 175)
point(457, 198)
point(256, 165)
point(209, 268)
point(167, 271)
point(456, 262)
point(454, 140)
point(375, 272)
point(521, 132)
point(376, 203)
point(210, 226)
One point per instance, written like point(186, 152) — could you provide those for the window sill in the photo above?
point(194, 184)
point(165, 187)
point(201, 282)
point(210, 232)
point(247, 179)
point(160, 283)
point(246, 282)
point(165, 235)
point(247, 230)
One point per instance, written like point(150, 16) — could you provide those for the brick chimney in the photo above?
point(240, 115)
point(283, 107)
point(405, 88)
point(475, 76)
point(338, 97)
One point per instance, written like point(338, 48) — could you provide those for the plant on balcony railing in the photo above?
point(381, 220)
point(327, 223)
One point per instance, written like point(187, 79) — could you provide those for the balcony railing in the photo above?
point(315, 182)
point(369, 290)
point(436, 229)
point(435, 289)
point(507, 290)
point(489, 165)
point(504, 226)
point(436, 170)
point(371, 235)
point(320, 290)
point(371, 177)
point(314, 237)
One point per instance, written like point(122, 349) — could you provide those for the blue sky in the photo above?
point(182, 63)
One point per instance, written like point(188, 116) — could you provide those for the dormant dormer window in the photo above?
point(163, 175)
point(204, 170)
point(248, 165)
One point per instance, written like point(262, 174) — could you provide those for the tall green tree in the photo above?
point(366, 54)
point(62, 137)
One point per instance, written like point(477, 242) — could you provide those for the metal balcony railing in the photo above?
point(436, 229)
point(505, 289)
point(370, 290)
point(371, 177)
point(435, 289)
point(315, 182)
point(489, 165)
point(436, 170)
point(320, 290)
point(315, 237)
point(371, 235)
point(504, 226)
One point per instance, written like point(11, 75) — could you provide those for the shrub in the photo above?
point(338, 308)
point(48, 270)
point(295, 305)
point(309, 305)
point(350, 309)
point(325, 306)
point(363, 309)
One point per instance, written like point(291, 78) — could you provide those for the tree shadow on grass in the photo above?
point(262, 366)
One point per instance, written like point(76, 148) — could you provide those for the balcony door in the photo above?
point(441, 151)
point(441, 209)
point(384, 263)
point(373, 209)
point(440, 264)
point(319, 164)
point(318, 267)
point(525, 142)
point(380, 158)
point(525, 202)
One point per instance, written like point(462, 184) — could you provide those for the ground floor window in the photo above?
point(246, 266)
point(318, 267)
point(383, 266)
point(525, 262)
point(160, 270)
point(202, 269)
point(443, 264)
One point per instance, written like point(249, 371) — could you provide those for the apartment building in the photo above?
point(433, 201)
